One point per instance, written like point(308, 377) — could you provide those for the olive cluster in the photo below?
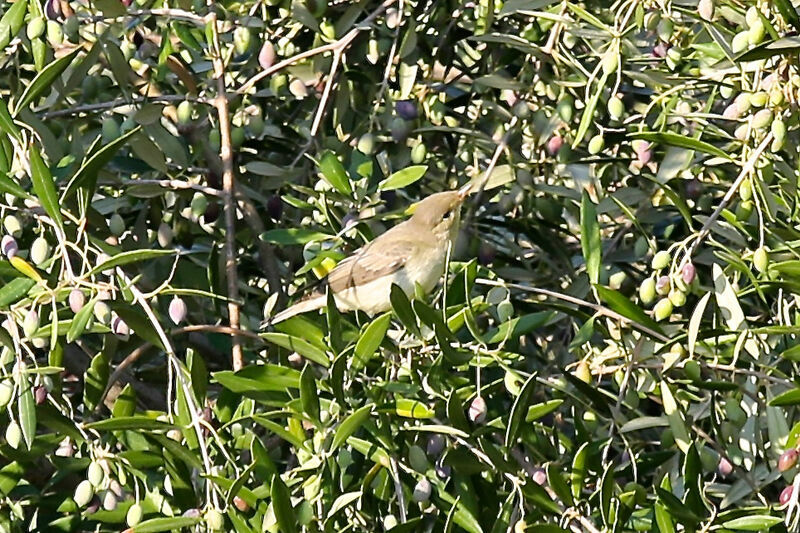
point(669, 288)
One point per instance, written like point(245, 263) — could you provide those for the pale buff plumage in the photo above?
point(413, 252)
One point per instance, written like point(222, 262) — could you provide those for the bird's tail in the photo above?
point(303, 306)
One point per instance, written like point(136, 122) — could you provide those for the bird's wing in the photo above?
point(370, 263)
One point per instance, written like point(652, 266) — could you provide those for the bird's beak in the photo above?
point(464, 191)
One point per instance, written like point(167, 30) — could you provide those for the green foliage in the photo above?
point(613, 344)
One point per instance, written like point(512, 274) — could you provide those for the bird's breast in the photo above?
point(425, 268)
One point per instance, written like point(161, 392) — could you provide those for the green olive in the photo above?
point(366, 144)
point(761, 259)
point(596, 144)
point(417, 459)
point(740, 42)
point(418, 153)
point(756, 33)
point(677, 297)
point(6, 393)
point(185, 111)
point(328, 29)
point(237, 137)
point(744, 210)
point(214, 140)
point(662, 310)
point(242, 38)
point(660, 260)
point(616, 108)
point(35, 28)
point(83, 493)
point(762, 119)
point(566, 108)
point(134, 515)
point(214, 520)
point(692, 369)
point(746, 190)
point(110, 130)
point(40, 251)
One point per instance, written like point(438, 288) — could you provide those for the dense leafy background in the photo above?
point(615, 343)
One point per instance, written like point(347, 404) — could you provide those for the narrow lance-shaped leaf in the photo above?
point(86, 175)
point(44, 80)
point(282, 505)
point(588, 111)
point(590, 238)
point(334, 173)
point(350, 425)
point(12, 22)
point(27, 409)
point(370, 340)
point(403, 178)
point(44, 187)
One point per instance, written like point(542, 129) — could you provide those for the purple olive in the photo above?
point(787, 460)
point(786, 495)
point(443, 470)
point(389, 198)
point(688, 273)
point(725, 468)
point(40, 394)
point(9, 246)
point(76, 300)
point(554, 144)
point(477, 410)
point(177, 310)
point(406, 109)
point(435, 446)
point(486, 253)
point(349, 220)
point(120, 328)
point(52, 9)
point(211, 213)
point(662, 285)
point(693, 189)
point(94, 505)
point(275, 207)
point(660, 50)
point(266, 57)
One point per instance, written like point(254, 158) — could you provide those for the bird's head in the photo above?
point(440, 212)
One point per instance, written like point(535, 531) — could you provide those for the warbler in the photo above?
point(412, 252)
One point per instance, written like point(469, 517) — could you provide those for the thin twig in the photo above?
point(176, 184)
point(339, 44)
point(743, 174)
point(266, 252)
point(577, 301)
point(398, 489)
point(120, 102)
point(163, 12)
point(180, 378)
point(128, 361)
point(217, 329)
point(226, 154)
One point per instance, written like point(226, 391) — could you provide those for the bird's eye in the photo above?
point(446, 216)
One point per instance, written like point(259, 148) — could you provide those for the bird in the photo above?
point(412, 252)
